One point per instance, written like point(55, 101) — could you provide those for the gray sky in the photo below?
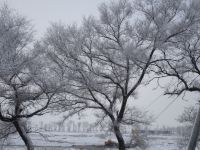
point(43, 12)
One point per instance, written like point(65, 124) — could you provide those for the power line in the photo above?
point(153, 102)
point(157, 98)
point(165, 109)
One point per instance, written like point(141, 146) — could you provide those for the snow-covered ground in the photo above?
point(64, 141)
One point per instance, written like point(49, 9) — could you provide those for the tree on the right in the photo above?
point(180, 61)
point(186, 119)
point(180, 58)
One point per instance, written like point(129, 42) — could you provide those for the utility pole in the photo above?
point(195, 132)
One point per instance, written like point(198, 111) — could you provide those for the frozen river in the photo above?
point(90, 141)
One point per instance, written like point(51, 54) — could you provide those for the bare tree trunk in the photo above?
point(195, 132)
point(118, 134)
point(22, 132)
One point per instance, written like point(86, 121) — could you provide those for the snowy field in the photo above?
point(68, 141)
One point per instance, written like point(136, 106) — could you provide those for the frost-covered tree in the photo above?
point(25, 88)
point(187, 119)
point(188, 115)
point(107, 58)
point(6, 129)
point(180, 58)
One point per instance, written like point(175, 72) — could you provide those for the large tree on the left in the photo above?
point(25, 88)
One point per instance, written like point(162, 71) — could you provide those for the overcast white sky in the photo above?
point(43, 12)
